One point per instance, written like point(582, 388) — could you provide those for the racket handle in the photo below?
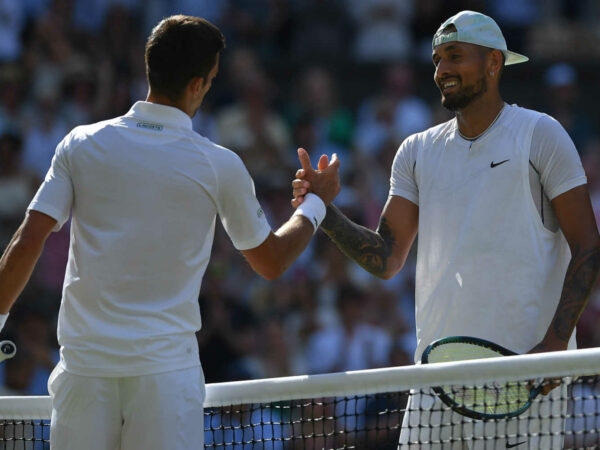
point(8, 349)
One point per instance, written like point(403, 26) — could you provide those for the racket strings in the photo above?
point(490, 399)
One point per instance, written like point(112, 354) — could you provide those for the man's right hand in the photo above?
point(323, 181)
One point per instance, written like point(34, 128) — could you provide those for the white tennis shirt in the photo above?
point(490, 261)
point(144, 191)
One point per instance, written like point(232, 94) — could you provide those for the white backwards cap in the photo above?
point(479, 29)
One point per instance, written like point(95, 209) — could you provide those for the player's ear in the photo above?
point(196, 86)
point(495, 63)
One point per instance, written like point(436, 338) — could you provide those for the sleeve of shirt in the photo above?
point(239, 210)
point(554, 155)
point(55, 195)
point(402, 180)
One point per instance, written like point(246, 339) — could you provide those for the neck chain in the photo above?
point(473, 139)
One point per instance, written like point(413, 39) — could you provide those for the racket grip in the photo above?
point(8, 349)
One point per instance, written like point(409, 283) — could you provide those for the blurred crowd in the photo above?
point(347, 76)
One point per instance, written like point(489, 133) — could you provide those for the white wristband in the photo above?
point(313, 209)
point(3, 318)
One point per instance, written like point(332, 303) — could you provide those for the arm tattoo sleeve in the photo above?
point(580, 279)
point(370, 249)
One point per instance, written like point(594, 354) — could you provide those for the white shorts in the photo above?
point(429, 424)
point(150, 412)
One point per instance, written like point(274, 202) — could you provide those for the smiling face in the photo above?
point(460, 73)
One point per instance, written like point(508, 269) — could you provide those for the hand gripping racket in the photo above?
point(489, 401)
point(8, 349)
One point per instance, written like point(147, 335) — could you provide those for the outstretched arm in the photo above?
point(381, 252)
point(282, 247)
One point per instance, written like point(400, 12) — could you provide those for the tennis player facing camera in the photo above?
point(508, 246)
point(144, 191)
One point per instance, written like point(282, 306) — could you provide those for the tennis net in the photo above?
point(365, 409)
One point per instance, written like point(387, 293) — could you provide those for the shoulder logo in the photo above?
point(150, 126)
point(496, 164)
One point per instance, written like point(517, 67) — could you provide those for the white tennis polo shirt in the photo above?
point(489, 264)
point(144, 191)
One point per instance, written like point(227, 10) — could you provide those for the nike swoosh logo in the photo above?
point(496, 164)
point(518, 443)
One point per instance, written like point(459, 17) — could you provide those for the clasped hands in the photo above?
point(323, 181)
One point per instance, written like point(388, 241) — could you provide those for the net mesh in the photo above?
point(365, 409)
point(370, 421)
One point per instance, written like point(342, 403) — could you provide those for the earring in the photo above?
point(491, 74)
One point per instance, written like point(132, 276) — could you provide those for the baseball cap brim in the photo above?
point(513, 58)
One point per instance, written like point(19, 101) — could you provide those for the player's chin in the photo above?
point(449, 103)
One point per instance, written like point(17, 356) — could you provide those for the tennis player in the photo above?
point(508, 244)
point(144, 191)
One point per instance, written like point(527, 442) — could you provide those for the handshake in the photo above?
point(314, 189)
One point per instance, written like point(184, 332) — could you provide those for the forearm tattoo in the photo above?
point(580, 279)
point(370, 249)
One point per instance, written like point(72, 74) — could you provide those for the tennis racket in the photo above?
point(482, 402)
point(8, 349)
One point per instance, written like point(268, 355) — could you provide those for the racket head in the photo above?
point(480, 402)
point(460, 348)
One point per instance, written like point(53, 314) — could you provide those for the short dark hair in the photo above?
point(178, 49)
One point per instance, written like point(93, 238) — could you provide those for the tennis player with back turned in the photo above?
point(508, 246)
point(144, 191)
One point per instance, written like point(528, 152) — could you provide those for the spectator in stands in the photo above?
point(216, 338)
point(274, 348)
point(34, 332)
point(567, 11)
point(319, 33)
point(13, 108)
point(383, 121)
point(80, 102)
point(351, 343)
point(45, 131)
point(393, 113)
point(48, 51)
point(89, 17)
point(316, 105)
point(300, 322)
point(381, 30)
point(256, 131)
point(516, 18)
point(13, 16)
point(17, 185)
point(563, 103)
point(152, 11)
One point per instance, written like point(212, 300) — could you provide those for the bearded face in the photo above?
point(462, 95)
point(460, 73)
